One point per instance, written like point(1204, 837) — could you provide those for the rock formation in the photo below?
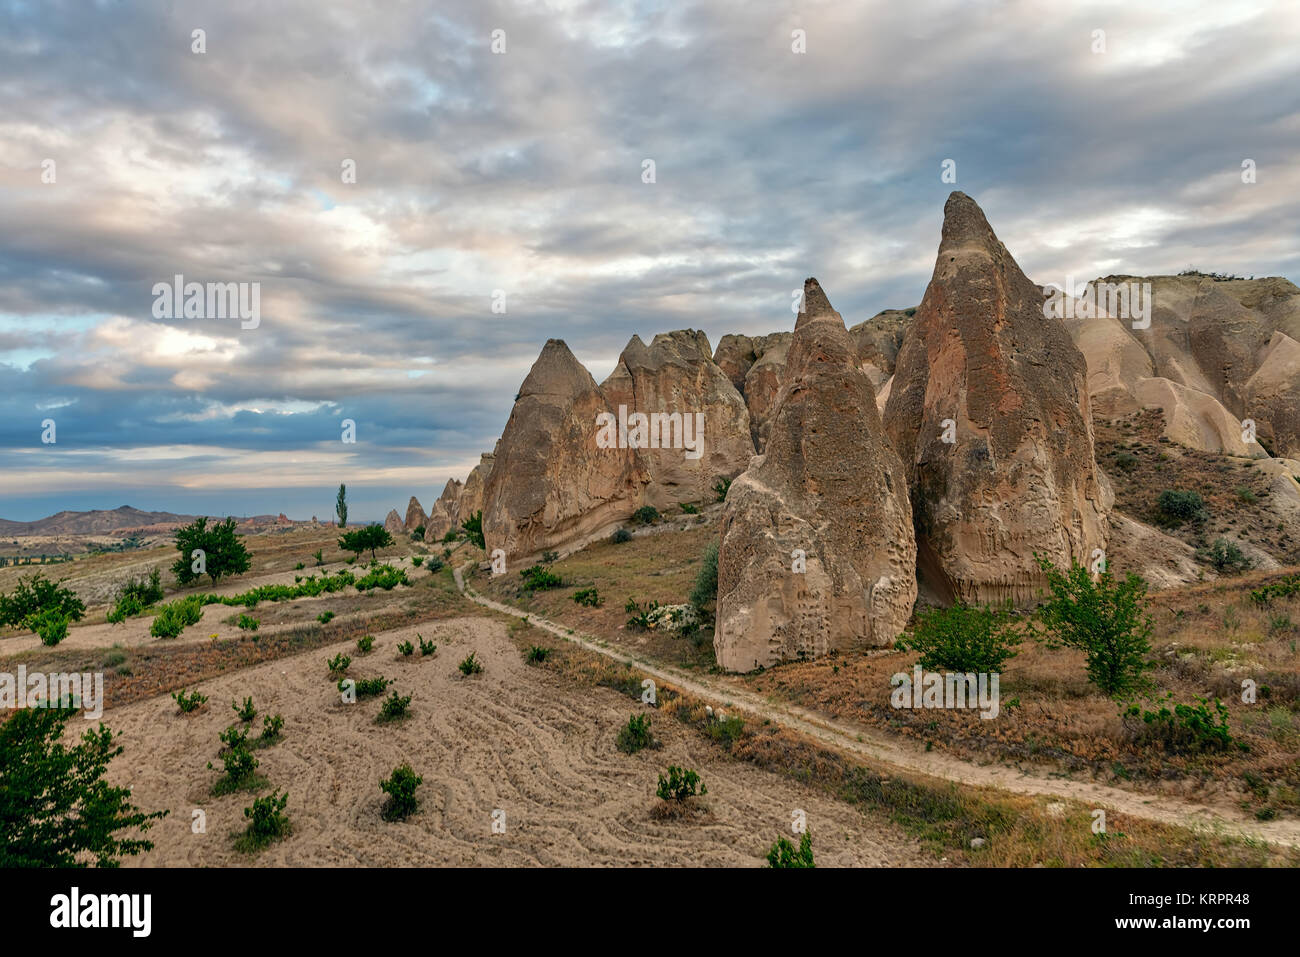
point(689, 401)
point(551, 484)
point(755, 363)
point(393, 523)
point(415, 517)
point(989, 411)
point(830, 485)
point(471, 495)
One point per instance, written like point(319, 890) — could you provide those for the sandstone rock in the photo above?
point(393, 523)
point(756, 361)
point(676, 377)
point(1020, 476)
point(415, 517)
point(471, 496)
point(831, 485)
point(551, 485)
point(878, 340)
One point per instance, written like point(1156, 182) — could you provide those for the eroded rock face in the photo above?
point(754, 365)
point(551, 486)
point(471, 496)
point(393, 523)
point(829, 484)
point(696, 404)
point(984, 366)
point(415, 516)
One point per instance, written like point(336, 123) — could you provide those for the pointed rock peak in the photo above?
point(684, 340)
point(815, 304)
point(557, 372)
point(964, 222)
point(414, 503)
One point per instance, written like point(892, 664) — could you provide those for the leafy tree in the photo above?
point(963, 638)
point(36, 594)
point(1104, 618)
point(56, 809)
point(223, 551)
point(367, 537)
point(705, 592)
point(341, 506)
point(474, 529)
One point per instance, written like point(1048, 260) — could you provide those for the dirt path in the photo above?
point(906, 756)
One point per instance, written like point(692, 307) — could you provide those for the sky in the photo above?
point(500, 198)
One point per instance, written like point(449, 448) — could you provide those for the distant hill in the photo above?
point(115, 521)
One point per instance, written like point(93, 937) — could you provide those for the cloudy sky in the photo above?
point(522, 172)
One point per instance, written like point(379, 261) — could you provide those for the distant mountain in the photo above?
point(97, 522)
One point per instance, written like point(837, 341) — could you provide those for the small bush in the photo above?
point(470, 666)
point(135, 596)
point(175, 616)
point(233, 737)
point(338, 665)
point(247, 623)
point(400, 788)
point(1176, 507)
point(1126, 461)
point(587, 596)
point(720, 488)
point(726, 731)
point(538, 578)
point(1246, 496)
point(246, 712)
point(188, 701)
point(550, 557)
point(370, 687)
point(37, 594)
point(679, 785)
point(385, 576)
point(51, 625)
point(635, 735)
point(320, 557)
point(426, 647)
point(704, 594)
point(689, 509)
point(394, 707)
point(267, 821)
point(365, 643)
point(417, 560)
point(783, 854)
point(620, 536)
point(325, 617)
point(272, 725)
point(536, 654)
point(646, 515)
point(1183, 729)
point(417, 534)
point(299, 567)
point(963, 638)
point(406, 648)
point(1226, 557)
point(240, 766)
point(640, 620)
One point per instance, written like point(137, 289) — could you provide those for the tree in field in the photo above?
point(220, 551)
point(341, 506)
point(474, 529)
point(366, 537)
point(56, 809)
point(34, 595)
point(1104, 618)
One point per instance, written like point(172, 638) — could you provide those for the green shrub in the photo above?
point(320, 557)
point(1126, 461)
point(406, 648)
point(587, 596)
point(240, 767)
point(1176, 507)
point(325, 617)
point(56, 808)
point(299, 567)
point(538, 578)
point(175, 616)
point(1246, 496)
point(1183, 729)
point(726, 731)
point(247, 623)
point(394, 707)
point(365, 643)
point(135, 596)
point(470, 666)
point(1226, 557)
point(400, 788)
point(1105, 619)
point(51, 625)
point(679, 785)
point(689, 509)
point(339, 664)
point(426, 647)
point(272, 726)
point(550, 557)
point(188, 701)
point(963, 638)
point(385, 576)
point(418, 533)
point(640, 620)
point(417, 560)
point(783, 854)
point(704, 594)
point(720, 488)
point(473, 527)
point(646, 515)
point(234, 737)
point(449, 537)
point(35, 594)
point(536, 654)
point(245, 711)
point(223, 551)
point(367, 538)
point(635, 735)
point(434, 564)
point(620, 536)
point(267, 821)
point(370, 687)
point(1284, 588)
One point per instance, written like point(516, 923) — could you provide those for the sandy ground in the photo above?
point(94, 632)
point(514, 738)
